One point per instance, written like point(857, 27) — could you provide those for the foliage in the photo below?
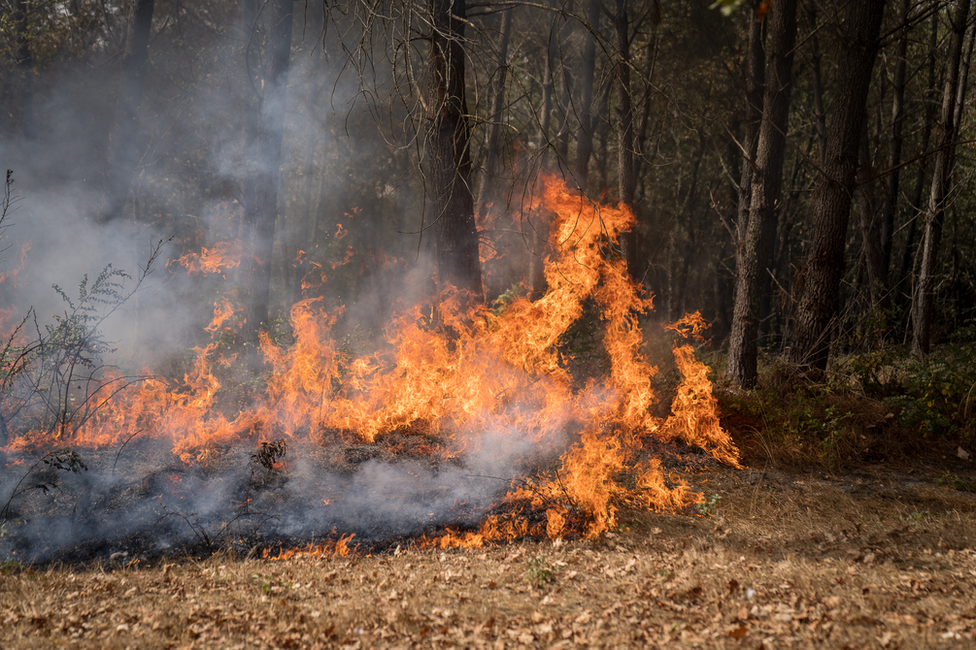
point(708, 507)
point(55, 382)
point(539, 573)
point(793, 419)
point(932, 396)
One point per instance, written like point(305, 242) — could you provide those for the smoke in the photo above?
point(348, 228)
point(134, 500)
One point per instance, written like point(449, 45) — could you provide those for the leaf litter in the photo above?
point(876, 560)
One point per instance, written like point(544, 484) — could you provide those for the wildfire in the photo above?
point(479, 378)
point(222, 257)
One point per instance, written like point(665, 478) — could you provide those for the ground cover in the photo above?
point(875, 556)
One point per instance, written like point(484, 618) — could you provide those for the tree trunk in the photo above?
point(755, 248)
point(892, 188)
point(264, 136)
point(832, 197)
point(127, 144)
point(447, 149)
point(626, 170)
point(935, 212)
point(584, 142)
point(755, 87)
point(867, 202)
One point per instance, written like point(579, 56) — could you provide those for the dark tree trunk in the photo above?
point(892, 188)
point(650, 58)
point(447, 152)
point(584, 142)
point(755, 249)
point(626, 168)
point(265, 123)
point(127, 143)
point(867, 203)
point(944, 158)
point(832, 197)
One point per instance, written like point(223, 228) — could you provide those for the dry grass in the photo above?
point(880, 558)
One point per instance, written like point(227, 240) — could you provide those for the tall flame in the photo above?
point(462, 373)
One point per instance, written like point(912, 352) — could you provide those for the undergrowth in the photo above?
point(867, 407)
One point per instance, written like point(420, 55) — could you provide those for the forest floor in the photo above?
point(876, 556)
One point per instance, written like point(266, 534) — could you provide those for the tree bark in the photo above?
point(264, 137)
point(944, 158)
point(824, 267)
point(867, 202)
point(755, 247)
point(447, 149)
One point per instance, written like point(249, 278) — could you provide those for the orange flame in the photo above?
point(222, 257)
point(470, 376)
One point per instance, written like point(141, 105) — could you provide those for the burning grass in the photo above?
point(464, 415)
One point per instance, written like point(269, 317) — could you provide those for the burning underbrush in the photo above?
point(466, 427)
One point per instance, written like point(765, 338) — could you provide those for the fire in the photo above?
point(222, 257)
point(482, 379)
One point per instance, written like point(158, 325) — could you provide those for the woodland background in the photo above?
point(805, 210)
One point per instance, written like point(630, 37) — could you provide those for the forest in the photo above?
point(803, 210)
point(592, 322)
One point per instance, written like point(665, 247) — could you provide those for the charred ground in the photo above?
point(875, 555)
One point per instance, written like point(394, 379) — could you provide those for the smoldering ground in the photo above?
point(139, 501)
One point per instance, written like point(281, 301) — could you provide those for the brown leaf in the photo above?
point(739, 632)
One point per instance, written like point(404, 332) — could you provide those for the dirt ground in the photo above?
point(881, 557)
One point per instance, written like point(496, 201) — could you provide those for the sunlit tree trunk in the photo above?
point(755, 247)
point(825, 262)
point(447, 152)
point(263, 136)
point(944, 158)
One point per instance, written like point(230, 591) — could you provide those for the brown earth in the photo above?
point(880, 557)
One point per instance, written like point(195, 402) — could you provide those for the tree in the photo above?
point(447, 151)
point(824, 266)
point(765, 181)
point(952, 102)
point(126, 143)
point(269, 41)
